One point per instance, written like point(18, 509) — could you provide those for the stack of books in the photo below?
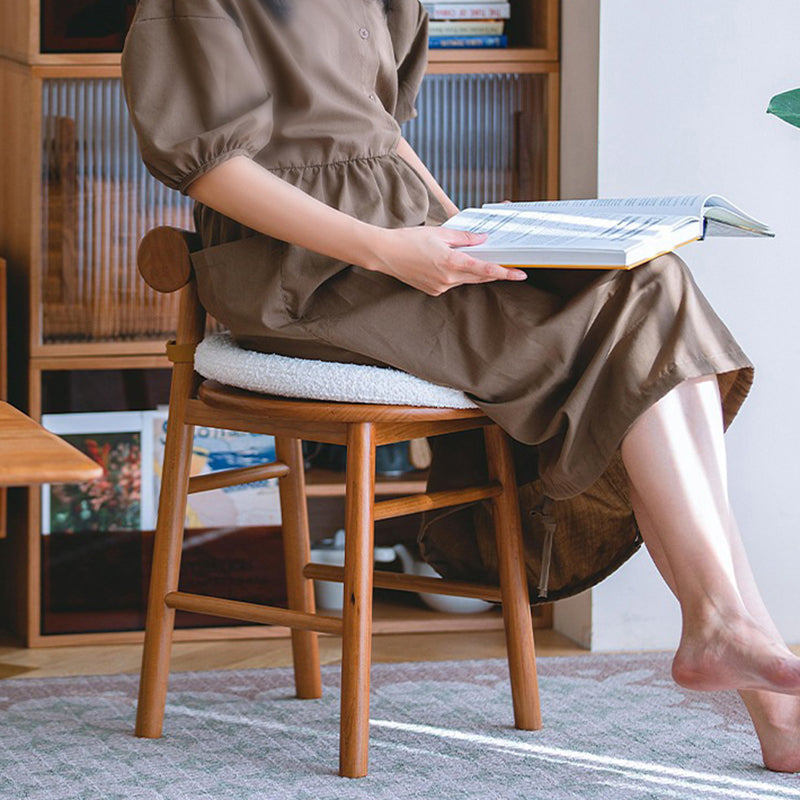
point(467, 23)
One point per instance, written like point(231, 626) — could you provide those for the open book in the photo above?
point(606, 233)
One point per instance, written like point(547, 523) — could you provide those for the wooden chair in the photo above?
point(164, 262)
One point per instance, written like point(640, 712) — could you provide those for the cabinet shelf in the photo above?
point(405, 615)
point(481, 55)
point(330, 483)
point(141, 347)
point(69, 64)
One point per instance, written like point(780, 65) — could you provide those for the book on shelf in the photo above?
point(605, 233)
point(465, 27)
point(465, 9)
point(436, 42)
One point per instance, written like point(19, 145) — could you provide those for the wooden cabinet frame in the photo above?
point(22, 69)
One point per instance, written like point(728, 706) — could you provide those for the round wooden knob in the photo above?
point(163, 258)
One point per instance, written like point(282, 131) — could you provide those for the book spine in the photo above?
point(468, 10)
point(438, 42)
point(492, 27)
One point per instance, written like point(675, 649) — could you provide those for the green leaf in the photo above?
point(786, 106)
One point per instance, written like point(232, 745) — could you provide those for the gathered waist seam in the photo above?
point(339, 162)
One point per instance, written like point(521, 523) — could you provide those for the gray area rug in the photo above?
point(615, 727)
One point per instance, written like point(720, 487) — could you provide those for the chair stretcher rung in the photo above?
point(414, 503)
point(234, 477)
point(252, 612)
point(382, 579)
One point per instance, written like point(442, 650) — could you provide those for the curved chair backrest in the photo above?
point(164, 260)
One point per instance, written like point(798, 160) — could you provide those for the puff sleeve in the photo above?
point(408, 26)
point(195, 95)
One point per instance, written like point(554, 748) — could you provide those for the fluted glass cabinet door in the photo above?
point(98, 202)
point(484, 137)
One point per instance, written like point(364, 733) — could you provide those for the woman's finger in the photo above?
point(457, 238)
point(485, 271)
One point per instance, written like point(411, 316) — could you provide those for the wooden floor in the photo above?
point(17, 662)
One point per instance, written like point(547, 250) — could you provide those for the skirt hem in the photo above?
point(562, 487)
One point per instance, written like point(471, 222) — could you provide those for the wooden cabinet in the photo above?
point(75, 200)
point(3, 379)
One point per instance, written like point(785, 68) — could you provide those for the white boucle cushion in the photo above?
point(220, 358)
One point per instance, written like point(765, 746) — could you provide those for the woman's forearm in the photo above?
point(429, 258)
point(243, 190)
point(407, 153)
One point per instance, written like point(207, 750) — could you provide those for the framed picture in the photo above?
point(122, 444)
point(250, 504)
point(130, 447)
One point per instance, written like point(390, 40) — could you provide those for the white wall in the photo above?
point(682, 88)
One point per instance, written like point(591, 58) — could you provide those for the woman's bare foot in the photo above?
point(776, 718)
point(733, 652)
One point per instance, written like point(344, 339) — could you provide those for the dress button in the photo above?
point(363, 33)
point(373, 97)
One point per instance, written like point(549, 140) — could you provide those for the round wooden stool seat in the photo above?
point(240, 401)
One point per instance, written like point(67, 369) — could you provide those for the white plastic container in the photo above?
point(448, 604)
point(328, 594)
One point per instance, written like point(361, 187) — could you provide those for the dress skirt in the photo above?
point(565, 362)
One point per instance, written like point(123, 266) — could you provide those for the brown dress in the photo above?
point(565, 362)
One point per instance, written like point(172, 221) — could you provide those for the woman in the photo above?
point(281, 119)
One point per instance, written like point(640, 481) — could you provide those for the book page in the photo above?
point(712, 207)
point(716, 227)
point(721, 210)
point(510, 227)
point(684, 205)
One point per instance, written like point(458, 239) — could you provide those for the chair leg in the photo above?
point(297, 553)
point(357, 614)
point(160, 620)
point(513, 584)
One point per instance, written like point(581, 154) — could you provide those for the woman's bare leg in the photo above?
point(676, 462)
point(776, 717)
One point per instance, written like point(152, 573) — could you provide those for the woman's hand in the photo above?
point(425, 258)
